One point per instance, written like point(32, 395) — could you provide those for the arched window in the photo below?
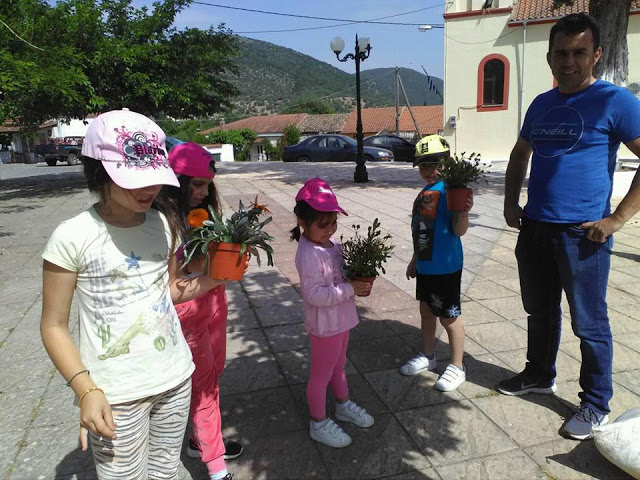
point(493, 83)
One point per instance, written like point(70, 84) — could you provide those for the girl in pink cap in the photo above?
point(132, 371)
point(204, 319)
point(329, 309)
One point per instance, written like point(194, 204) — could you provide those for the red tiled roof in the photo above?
point(323, 123)
point(543, 9)
point(11, 127)
point(262, 124)
point(429, 119)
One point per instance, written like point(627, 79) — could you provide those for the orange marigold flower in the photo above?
point(262, 208)
point(197, 217)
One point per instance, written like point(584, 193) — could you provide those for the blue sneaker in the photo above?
point(579, 426)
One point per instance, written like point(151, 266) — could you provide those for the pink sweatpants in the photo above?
point(204, 324)
point(328, 358)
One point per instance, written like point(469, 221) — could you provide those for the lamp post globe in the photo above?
point(360, 54)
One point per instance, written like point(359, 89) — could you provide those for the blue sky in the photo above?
point(392, 45)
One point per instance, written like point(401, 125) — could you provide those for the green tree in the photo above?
point(272, 152)
point(310, 105)
point(241, 140)
point(613, 18)
point(290, 136)
point(82, 56)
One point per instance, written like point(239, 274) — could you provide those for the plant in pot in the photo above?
point(458, 174)
point(365, 256)
point(227, 241)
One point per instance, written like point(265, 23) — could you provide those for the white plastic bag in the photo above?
point(619, 442)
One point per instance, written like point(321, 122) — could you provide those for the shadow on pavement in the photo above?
point(40, 187)
point(586, 459)
point(76, 465)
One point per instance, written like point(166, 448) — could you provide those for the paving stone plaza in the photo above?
point(419, 433)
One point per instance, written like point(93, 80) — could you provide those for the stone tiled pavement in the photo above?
point(419, 433)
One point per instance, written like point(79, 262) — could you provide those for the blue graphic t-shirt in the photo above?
point(575, 140)
point(438, 250)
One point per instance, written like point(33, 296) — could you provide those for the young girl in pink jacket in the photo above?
point(329, 309)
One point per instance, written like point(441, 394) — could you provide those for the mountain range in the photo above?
point(272, 79)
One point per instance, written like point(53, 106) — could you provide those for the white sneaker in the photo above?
point(329, 433)
point(451, 378)
point(351, 412)
point(418, 363)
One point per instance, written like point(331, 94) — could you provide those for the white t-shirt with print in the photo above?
point(130, 336)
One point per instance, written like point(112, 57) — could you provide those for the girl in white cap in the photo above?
point(329, 310)
point(131, 372)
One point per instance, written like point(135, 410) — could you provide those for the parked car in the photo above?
point(171, 142)
point(61, 149)
point(332, 148)
point(403, 151)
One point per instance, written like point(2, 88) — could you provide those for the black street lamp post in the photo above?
point(361, 53)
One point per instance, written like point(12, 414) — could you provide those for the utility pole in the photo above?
point(397, 101)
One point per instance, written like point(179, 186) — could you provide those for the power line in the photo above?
point(342, 24)
point(310, 17)
point(19, 37)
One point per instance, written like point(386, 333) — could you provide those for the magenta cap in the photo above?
point(318, 194)
point(192, 160)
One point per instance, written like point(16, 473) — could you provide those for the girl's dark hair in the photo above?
point(308, 215)
point(98, 180)
point(576, 23)
point(174, 203)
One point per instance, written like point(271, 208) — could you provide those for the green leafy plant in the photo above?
point(243, 227)
point(364, 256)
point(461, 172)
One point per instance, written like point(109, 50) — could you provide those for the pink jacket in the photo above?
point(329, 302)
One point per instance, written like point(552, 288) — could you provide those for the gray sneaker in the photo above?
point(579, 426)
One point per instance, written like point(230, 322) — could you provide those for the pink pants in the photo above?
point(328, 358)
point(204, 324)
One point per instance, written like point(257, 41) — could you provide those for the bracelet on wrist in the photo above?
point(89, 390)
point(74, 376)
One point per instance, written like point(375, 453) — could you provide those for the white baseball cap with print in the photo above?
point(131, 148)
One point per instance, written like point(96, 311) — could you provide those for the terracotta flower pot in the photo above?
point(226, 263)
point(369, 280)
point(457, 199)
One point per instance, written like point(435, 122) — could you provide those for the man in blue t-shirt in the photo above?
point(574, 132)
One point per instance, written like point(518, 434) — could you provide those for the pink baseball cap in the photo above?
point(192, 160)
point(318, 194)
point(131, 148)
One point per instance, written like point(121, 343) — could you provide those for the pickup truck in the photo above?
point(61, 149)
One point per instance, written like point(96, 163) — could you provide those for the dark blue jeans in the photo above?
point(555, 257)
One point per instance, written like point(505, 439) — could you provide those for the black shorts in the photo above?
point(441, 293)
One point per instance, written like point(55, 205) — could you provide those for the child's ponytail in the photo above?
point(295, 233)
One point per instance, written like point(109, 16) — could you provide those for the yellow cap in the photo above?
point(432, 148)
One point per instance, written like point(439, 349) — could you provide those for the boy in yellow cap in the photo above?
point(437, 265)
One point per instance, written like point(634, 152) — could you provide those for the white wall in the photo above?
point(74, 128)
point(494, 133)
point(225, 151)
point(633, 42)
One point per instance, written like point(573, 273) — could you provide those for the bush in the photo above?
point(365, 256)
point(240, 139)
point(461, 172)
point(290, 136)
